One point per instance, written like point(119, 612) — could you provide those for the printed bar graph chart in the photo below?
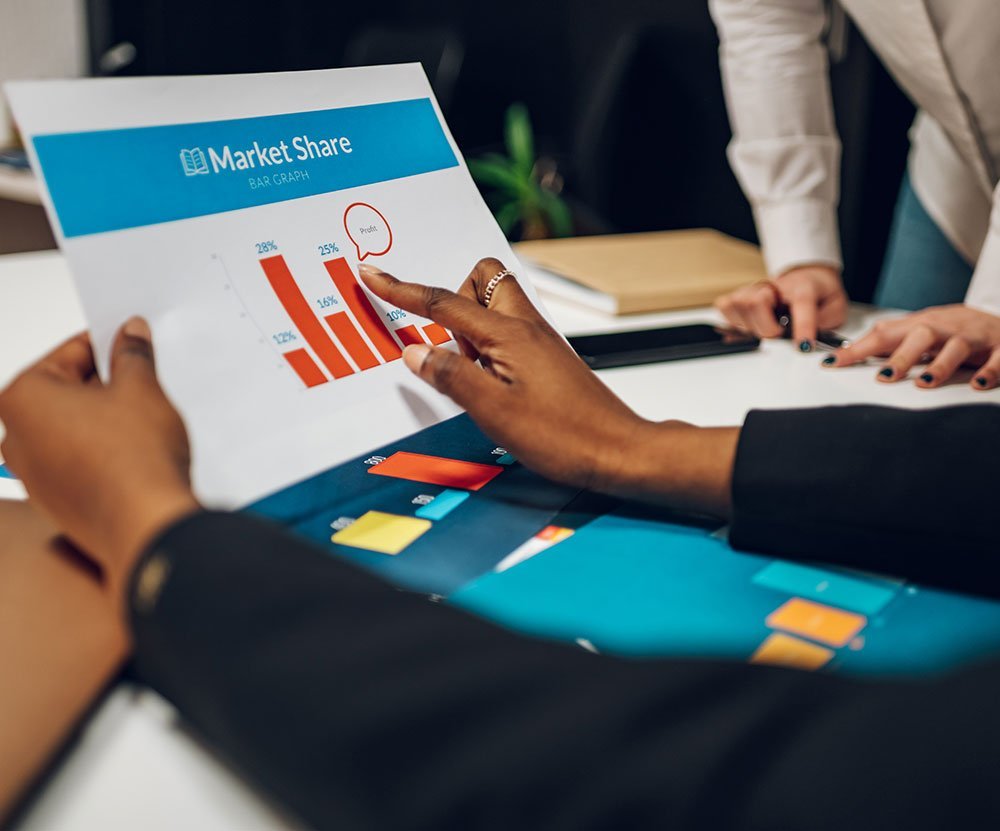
point(328, 347)
point(305, 367)
point(436, 334)
point(351, 340)
point(297, 307)
point(408, 335)
point(362, 308)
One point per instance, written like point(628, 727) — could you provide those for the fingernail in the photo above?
point(927, 378)
point(981, 381)
point(414, 356)
point(829, 360)
point(137, 327)
point(888, 372)
point(805, 346)
point(366, 268)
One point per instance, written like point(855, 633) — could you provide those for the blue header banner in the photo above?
point(109, 180)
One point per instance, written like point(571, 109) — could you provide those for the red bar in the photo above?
point(357, 301)
point(434, 470)
point(437, 334)
point(305, 367)
point(408, 335)
point(306, 322)
point(351, 339)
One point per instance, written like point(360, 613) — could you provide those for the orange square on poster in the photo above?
point(436, 470)
point(783, 650)
point(816, 621)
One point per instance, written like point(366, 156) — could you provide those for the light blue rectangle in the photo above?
point(506, 459)
point(442, 504)
point(6, 474)
point(109, 180)
point(825, 587)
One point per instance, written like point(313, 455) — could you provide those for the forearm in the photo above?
point(785, 150)
point(680, 465)
point(60, 643)
point(848, 485)
point(361, 706)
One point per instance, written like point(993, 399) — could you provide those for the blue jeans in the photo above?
point(921, 267)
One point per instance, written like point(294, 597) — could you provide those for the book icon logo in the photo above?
point(193, 162)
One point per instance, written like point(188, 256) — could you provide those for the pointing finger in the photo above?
point(465, 317)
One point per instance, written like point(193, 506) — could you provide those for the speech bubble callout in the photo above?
point(368, 230)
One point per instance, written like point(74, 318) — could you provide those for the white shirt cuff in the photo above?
point(802, 232)
point(984, 290)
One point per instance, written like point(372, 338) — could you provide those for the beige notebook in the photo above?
point(628, 273)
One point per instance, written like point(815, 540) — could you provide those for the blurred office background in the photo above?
point(625, 97)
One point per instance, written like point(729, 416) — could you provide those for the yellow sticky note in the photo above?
point(385, 533)
point(785, 651)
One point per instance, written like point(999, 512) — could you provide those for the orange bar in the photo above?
point(437, 334)
point(434, 470)
point(408, 335)
point(357, 301)
point(306, 322)
point(816, 621)
point(351, 339)
point(305, 367)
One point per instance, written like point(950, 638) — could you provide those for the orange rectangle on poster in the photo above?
point(782, 650)
point(435, 470)
point(816, 621)
point(351, 339)
point(437, 334)
point(408, 335)
point(305, 367)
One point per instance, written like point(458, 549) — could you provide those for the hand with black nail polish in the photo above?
point(952, 336)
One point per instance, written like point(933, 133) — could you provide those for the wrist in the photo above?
point(638, 456)
point(827, 269)
point(675, 463)
point(139, 525)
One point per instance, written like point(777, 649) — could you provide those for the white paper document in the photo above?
point(232, 213)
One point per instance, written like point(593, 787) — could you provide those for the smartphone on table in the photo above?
point(673, 343)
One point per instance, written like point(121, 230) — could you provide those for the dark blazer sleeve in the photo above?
point(360, 706)
point(910, 493)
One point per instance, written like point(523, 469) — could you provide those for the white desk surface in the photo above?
point(134, 767)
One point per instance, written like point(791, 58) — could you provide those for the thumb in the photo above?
point(132, 354)
point(454, 375)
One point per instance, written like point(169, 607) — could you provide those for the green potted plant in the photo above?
point(522, 191)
